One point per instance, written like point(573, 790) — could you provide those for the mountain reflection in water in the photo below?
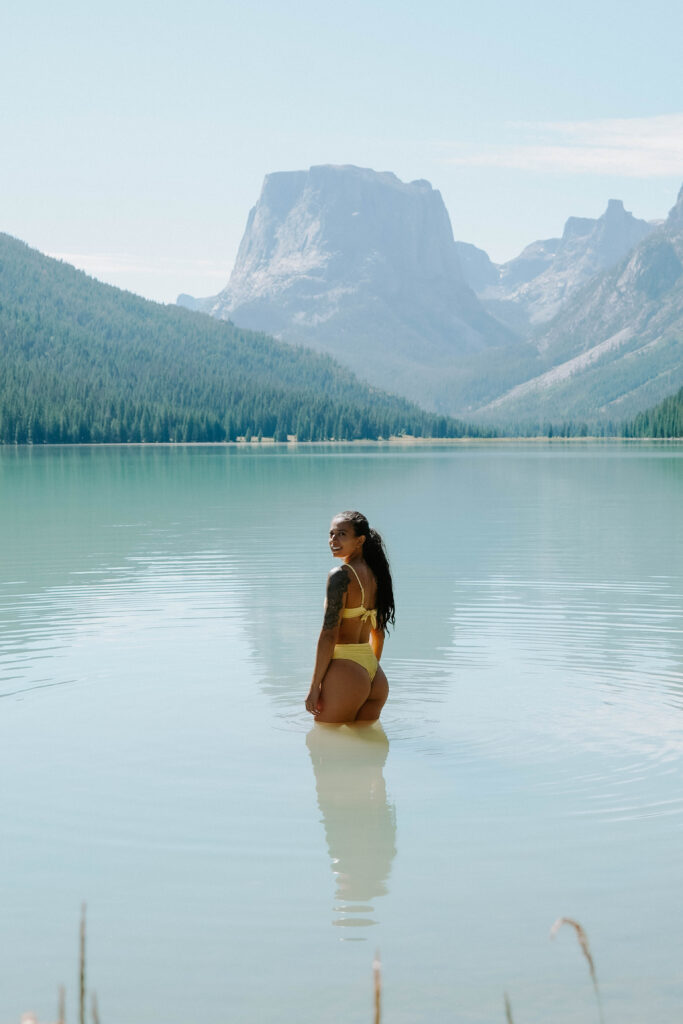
point(360, 823)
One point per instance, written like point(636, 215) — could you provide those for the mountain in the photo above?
point(364, 266)
point(83, 361)
point(359, 264)
point(547, 273)
point(616, 346)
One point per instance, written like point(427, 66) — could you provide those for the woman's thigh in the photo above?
point(370, 710)
point(345, 689)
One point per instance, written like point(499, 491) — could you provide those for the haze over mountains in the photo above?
point(360, 265)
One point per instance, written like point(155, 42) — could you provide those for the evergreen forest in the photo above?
point(663, 420)
point(84, 362)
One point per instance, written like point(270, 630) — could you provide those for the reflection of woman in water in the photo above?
point(359, 820)
point(348, 684)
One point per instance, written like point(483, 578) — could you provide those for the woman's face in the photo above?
point(343, 541)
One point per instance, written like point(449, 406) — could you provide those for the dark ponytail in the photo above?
point(375, 556)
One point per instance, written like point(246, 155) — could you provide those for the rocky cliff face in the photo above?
point(361, 265)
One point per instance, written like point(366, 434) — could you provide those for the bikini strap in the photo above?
point(362, 592)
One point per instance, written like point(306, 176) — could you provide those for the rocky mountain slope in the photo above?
point(359, 264)
point(616, 346)
point(538, 282)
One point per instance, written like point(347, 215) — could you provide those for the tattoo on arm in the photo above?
point(337, 585)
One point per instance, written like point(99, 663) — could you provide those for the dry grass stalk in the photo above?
point(508, 1010)
point(94, 1009)
point(81, 972)
point(377, 978)
point(61, 1006)
point(585, 949)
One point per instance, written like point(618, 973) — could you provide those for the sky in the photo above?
point(135, 136)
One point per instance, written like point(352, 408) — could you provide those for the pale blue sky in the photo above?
point(135, 136)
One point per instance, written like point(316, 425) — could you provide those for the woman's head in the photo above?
point(345, 541)
point(348, 533)
point(352, 536)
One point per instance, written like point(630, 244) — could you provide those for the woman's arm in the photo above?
point(335, 599)
point(377, 642)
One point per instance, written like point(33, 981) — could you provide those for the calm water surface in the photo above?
point(158, 613)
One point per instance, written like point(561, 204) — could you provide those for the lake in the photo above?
point(159, 609)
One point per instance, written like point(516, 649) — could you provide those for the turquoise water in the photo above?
point(159, 609)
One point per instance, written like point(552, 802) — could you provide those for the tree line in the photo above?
point(663, 420)
point(256, 414)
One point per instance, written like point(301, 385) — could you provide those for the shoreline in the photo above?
point(395, 442)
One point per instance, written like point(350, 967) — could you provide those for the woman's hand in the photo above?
point(312, 702)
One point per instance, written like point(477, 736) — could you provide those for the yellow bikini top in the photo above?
point(361, 611)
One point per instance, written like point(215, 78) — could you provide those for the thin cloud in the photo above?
point(122, 263)
point(637, 147)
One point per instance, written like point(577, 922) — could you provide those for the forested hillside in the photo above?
point(81, 361)
point(664, 420)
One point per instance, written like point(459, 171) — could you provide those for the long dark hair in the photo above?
point(375, 555)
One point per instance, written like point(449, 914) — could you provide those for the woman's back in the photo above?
point(359, 616)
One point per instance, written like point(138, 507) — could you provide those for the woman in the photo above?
point(348, 684)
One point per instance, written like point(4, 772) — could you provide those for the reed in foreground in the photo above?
point(377, 979)
point(585, 949)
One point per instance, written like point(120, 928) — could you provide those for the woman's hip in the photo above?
point(361, 654)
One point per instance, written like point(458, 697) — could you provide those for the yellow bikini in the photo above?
point(362, 654)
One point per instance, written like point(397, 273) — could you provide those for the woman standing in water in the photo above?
point(348, 684)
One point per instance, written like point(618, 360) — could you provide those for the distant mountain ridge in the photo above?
point(547, 273)
point(616, 347)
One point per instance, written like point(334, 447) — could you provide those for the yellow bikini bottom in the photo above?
point(362, 654)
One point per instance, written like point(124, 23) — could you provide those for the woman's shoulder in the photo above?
point(339, 575)
point(337, 570)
